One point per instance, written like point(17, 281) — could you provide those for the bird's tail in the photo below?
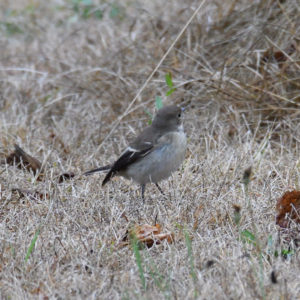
point(108, 176)
point(105, 168)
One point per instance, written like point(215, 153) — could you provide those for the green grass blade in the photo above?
point(169, 92)
point(249, 237)
point(169, 80)
point(188, 243)
point(32, 244)
point(138, 260)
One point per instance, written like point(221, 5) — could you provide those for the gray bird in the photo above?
point(157, 152)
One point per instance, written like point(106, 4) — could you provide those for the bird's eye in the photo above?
point(179, 115)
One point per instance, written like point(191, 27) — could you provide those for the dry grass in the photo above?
point(66, 76)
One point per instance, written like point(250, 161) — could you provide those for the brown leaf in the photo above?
point(288, 207)
point(21, 159)
point(271, 56)
point(147, 235)
point(65, 176)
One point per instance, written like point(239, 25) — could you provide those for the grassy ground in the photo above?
point(70, 68)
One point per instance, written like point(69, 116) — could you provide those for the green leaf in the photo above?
point(169, 81)
point(169, 92)
point(287, 253)
point(31, 246)
point(249, 237)
point(158, 102)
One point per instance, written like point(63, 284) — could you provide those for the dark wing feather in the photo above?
point(126, 159)
point(140, 147)
point(105, 168)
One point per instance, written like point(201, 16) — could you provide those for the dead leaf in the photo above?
point(288, 207)
point(147, 235)
point(21, 159)
point(278, 56)
point(65, 176)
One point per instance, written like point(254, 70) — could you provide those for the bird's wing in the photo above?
point(138, 149)
point(128, 157)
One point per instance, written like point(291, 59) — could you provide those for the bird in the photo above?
point(154, 154)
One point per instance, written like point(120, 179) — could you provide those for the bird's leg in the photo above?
point(159, 188)
point(143, 187)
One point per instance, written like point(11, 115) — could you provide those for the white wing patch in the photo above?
point(133, 151)
point(130, 149)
